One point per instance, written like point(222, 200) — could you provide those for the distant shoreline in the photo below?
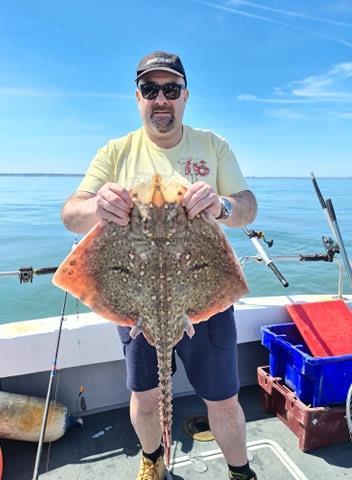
point(250, 177)
point(41, 174)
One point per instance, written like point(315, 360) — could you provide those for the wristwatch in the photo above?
point(226, 208)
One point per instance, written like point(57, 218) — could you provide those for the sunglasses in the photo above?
point(171, 90)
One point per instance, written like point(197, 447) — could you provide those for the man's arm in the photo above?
point(83, 210)
point(79, 212)
point(244, 209)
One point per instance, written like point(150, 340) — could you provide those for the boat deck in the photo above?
point(106, 447)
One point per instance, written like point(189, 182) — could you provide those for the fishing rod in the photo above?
point(254, 237)
point(25, 274)
point(329, 211)
point(48, 394)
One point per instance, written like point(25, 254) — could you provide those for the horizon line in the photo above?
point(44, 174)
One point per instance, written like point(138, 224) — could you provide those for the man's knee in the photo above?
point(219, 406)
point(147, 401)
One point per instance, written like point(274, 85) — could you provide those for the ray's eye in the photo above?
point(124, 270)
point(198, 267)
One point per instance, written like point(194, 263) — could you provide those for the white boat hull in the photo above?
point(91, 353)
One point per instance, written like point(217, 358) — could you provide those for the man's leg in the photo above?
point(210, 361)
point(228, 425)
point(144, 412)
point(142, 381)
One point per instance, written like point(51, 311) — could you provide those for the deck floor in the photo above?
point(107, 448)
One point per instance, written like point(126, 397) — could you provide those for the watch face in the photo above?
point(226, 207)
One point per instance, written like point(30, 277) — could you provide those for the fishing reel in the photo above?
point(25, 274)
point(259, 234)
point(331, 247)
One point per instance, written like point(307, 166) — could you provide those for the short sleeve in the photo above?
point(229, 176)
point(100, 171)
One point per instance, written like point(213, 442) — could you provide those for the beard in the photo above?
point(162, 119)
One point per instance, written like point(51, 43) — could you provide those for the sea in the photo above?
point(289, 214)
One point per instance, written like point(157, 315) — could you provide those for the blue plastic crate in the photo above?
point(317, 381)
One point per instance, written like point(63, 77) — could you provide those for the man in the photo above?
point(165, 145)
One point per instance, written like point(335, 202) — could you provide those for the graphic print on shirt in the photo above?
point(194, 169)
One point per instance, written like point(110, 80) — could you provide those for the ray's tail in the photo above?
point(164, 354)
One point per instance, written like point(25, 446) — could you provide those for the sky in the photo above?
point(274, 77)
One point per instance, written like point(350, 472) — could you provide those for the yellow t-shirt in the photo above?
point(200, 156)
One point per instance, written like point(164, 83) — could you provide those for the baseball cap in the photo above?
point(169, 62)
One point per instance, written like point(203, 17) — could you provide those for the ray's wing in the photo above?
point(215, 275)
point(81, 271)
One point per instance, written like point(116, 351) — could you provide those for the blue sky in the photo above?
point(274, 77)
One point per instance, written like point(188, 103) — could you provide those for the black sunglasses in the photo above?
point(171, 90)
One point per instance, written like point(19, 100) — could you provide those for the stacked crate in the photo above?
point(308, 392)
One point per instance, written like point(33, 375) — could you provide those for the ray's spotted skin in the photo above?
point(159, 274)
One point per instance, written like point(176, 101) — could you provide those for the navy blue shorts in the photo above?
point(209, 358)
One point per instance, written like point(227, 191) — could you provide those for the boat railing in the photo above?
point(298, 258)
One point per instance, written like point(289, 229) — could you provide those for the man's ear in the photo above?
point(138, 97)
point(186, 94)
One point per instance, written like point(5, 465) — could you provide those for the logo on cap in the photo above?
point(159, 60)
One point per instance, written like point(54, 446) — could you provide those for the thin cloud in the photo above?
point(327, 99)
point(30, 92)
point(254, 98)
point(335, 84)
point(36, 24)
point(290, 13)
point(289, 114)
point(331, 86)
point(286, 114)
point(343, 115)
point(340, 7)
point(241, 12)
point(273, 20)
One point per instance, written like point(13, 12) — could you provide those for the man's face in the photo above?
point(161, 115)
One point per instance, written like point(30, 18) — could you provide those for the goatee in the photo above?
point(163, 122)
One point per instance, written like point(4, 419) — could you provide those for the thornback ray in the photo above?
point(159, 274)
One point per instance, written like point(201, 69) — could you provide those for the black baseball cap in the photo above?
point(169, 62)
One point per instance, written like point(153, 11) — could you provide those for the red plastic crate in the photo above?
point(315, 427)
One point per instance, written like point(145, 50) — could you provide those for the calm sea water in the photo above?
point(31, 234)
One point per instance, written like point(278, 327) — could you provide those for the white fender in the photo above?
point(21, 418)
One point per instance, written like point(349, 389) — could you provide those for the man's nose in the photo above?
point(160, 98)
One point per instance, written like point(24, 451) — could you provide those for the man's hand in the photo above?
point(113, 204)
point(201, 196)
point(83, 210)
